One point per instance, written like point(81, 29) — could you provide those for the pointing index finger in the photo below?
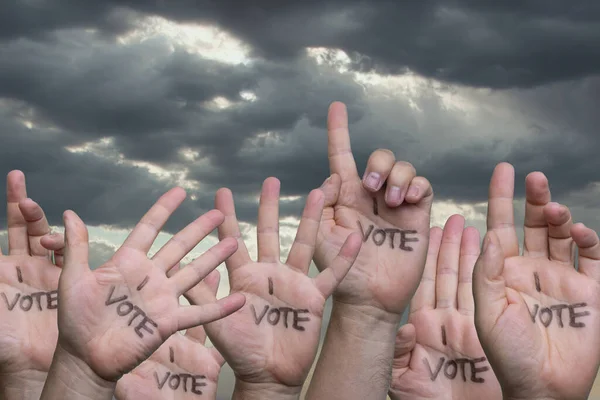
point(341, 160)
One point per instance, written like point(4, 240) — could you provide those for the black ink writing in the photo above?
point(452, 367)
point(19, 274)
point(536, 278)
point(141, 285)
point(270, 285)
point(546, 314)
point(171, 355)
point(177, 381)
point(125, 308)
point(375, 208)
point(378, 236)
point(275, 315)
point(34, 301)
point(444, 342)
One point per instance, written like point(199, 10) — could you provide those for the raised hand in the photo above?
point(390, 207)
point(537, 316)
point(182, 368)
point(438, 355)
point(28, 283)
point(113, 318)
point(271, 342)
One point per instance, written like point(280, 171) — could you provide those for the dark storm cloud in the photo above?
point(480, 43)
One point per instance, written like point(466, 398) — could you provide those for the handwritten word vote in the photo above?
point(33, 301)
point(451, 367)
point(126, 307)
point(180, 381)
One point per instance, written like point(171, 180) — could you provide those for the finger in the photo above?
point(341, 160)
point(446, 282)
point(489, 287)
point(268, 222)
point(331, 190)
point(378, 169)
point(205, 291)
point(331, 276)
point(560, 242)
point(37, 226)
point(500, 216)
point(424, 297)
point(303, 247)
point(537, 195)
point(469, 252)
point(186, 239)
point(194, 272)
point(406, 339)
point(588, 243)
point(146, 231)
point(191, 316)
point(76, 247)
point(217, 356)
point(398, 183)
point(56, 244)
point(231, 228)
point(419, 191)
point(16, 191)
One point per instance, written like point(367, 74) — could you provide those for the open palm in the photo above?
point(390, 207)
point(537, 316)
point(182, 368)
point(28, 283)
point(274, 337)
point(438, 355)
point(116, 316)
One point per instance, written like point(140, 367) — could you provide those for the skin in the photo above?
point(96, 346)
point(530, 360)
point(368, 304)
point(27, 339)
point(190, 357)
point(444, 299)
point(272, 361)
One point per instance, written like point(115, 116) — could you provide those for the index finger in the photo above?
point(341, 160)
point(500, 216)
point(18, 241)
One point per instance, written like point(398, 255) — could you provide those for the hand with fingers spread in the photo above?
point(271, 343)
point(391, 208)
point(113, 318)
point(538, 318)
point(28, 283)
point(438, 355)
point(182, 368)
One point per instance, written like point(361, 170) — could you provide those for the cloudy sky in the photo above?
point(107, 104)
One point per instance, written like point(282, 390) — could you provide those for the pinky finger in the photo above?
point(419, 189)
point(192, 316)
point(55, 242)
point(331, 277)
point(588, 243)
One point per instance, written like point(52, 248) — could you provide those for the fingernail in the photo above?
point(413, 191)
point(373, 180)
point(394, 195)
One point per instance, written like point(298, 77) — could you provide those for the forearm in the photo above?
point(25, 385)
point(70, 378)
point(257, 391)
point(356, 358)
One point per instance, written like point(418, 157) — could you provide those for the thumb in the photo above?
point(331, 188)
point(489, 288)
point(76, 246)
point(406, 339)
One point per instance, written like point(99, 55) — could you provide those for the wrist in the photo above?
point(22, 385)
point(363, 322)
point(73, 378)
point(257, 391)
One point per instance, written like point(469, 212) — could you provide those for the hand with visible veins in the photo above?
point(182, 368)
point(390, 206)
point(438, 354)
point(271, 343)
point(28, 330)
point(113, 318)
point(537, 316)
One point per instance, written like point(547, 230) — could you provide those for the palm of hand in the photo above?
point(28, 312)
point(381, 275)
point(262, 341)
point(562, 354)
point(181, 369)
